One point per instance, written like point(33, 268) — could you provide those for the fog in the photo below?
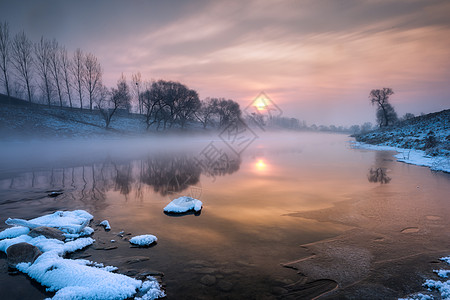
point(21, 155)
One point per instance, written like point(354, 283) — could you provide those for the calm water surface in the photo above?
point(235, 247)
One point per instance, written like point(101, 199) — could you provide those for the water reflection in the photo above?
point(170, 174)
point(378, 175)
point(166, 174)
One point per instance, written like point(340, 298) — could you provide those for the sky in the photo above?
point(317, 60)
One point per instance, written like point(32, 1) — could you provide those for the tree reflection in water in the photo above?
point(89, 183)
point(378, 175)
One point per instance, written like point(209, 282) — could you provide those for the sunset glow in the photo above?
point(318, 61)
point(260, 165)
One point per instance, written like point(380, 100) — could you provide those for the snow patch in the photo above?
point(13, 232)
point(443, 287)
point(143, 240)
point(411, 156)
point(106, 224)
point(74, 279)
point(183, 204)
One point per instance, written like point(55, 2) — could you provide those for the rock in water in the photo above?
point(208, 280)
point(22, 252)
point(183, 204)
point(54, 194)
point(48, 232)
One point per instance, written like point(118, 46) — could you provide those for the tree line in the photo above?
point(45, 72)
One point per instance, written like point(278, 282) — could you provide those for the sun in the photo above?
point(260, 165)
point(260, 104)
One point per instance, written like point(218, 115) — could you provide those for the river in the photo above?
point(273, 206)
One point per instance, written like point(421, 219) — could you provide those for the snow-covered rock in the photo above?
point(143, 240)
point(183, 204)
point(106, 224)
point(72, 279)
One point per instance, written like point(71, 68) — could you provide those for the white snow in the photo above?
point(106, 224)
point(13, 232)
point(151, 289)
point(71, 222)
point(143, 240)
point(443, 287)
point(183, 204)
point(411, 156)
point(74, 279)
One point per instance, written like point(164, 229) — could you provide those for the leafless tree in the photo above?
point(22, 59)
point(55, 68)
point(228, 111)
point(42, 51)
point(136, 85)
point(186, 106)
point(207, 110)
point(5, 48)
point(109, 102)
point(152, 100)
point(385, 111)
point(78, 71)
point(92, 76)
point(66, 67)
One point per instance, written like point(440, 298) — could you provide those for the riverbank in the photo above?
point(411, 156)
point(422, 141)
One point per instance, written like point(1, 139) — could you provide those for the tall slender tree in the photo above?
point(92, 76)
point(55, 68)
point(66, 67)
point(78, 73)
point(5, 54)
point(22, 60)
point(42, 51)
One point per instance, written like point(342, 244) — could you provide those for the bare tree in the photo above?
point(228, 111)
point(187, 104)
point(122, 95)
point(5, 48)
point(78, 71)
point(22, 59)
point(109, 102)
point(205, 113)
point(42, 51)
point(386, 116)
point(55, 68)
point(66, 67)
point(136, 85)
point(380, 98)
point(92, 76)
point(152, 100)
point(104, 104)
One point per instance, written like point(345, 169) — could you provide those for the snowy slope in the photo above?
point(424, 140)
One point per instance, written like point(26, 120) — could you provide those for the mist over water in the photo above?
point(247, 227)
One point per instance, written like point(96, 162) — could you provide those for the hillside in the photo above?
point(19, 119)
point(423, 140)
point(430, 133)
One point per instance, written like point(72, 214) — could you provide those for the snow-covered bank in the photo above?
point(441, 286)
point(72, 278)
point(411, 156)
point(423, 140)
